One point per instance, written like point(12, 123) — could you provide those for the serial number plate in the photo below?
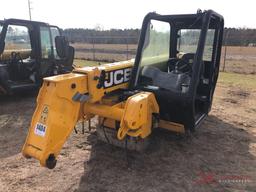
point(40, 129)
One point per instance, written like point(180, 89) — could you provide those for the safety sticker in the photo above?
point(44, 114)
point(40, 129)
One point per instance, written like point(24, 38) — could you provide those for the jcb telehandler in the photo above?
point(29, 52)
point(169, 85)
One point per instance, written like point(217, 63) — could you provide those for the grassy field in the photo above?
point(233, 79)
point(240, 80)
point(238, 59)
point(105, 46)
point(82, 62)
point(105, 52)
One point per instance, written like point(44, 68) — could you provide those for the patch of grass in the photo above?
point(83, 63)
point(235, 79)
point(105, 46)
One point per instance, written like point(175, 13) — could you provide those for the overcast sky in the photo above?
point(123, 14)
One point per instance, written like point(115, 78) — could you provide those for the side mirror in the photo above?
point(62, 46)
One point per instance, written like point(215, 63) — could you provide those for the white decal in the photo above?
point(127, 73)
point(109, 81)
point(40, 129)
point(117, 77)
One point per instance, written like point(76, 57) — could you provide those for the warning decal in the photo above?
point(44, 114)
point(40, 129)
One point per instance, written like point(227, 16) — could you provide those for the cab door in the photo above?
point(55, 31)
point(63, 65)
point(46, 49)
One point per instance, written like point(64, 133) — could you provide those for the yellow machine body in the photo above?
point(64, 100)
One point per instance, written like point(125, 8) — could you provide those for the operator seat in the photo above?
point(170, 90)
point(174, 81)
point(172, 93)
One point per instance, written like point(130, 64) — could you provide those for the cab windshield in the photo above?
point(157, 43)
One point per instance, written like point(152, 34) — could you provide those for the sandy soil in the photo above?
point(219, 156)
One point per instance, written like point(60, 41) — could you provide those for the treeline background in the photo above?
point(232, 36)
point(112, 36)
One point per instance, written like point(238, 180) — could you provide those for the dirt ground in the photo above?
point(219, 156)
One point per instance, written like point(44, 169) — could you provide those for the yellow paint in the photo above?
point(57, 113)
point(60, 120)
point(137, 118)
point(171, 126)
point(44, 114)
point(48, 131)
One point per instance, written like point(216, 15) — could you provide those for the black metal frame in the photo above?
point(185, 107)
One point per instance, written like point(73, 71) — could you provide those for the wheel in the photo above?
point(51, 161)
point(109, 135)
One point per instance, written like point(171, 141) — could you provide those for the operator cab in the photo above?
point(178, 59)
point(28, 53)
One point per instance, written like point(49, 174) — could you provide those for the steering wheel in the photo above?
point(171, 63)
point(182, 66)
point(16, 59)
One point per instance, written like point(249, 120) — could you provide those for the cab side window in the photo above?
point(18, 40)
point(46, 45)
point(188, 42)
point(55, 32)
